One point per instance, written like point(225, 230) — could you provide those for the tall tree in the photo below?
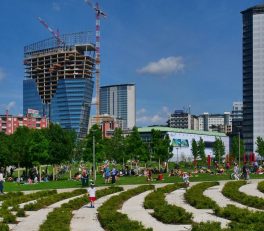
point(201, 149)
point(260, 146)
point(195, 150)
point(135, 148)
point(218, 149)
point(235, 147)
point(5, 153)
point(117, 145)
point(96, 134)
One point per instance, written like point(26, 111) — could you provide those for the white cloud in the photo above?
point(2, 74)
point(10, 105)
point(56, 6)
point(164, 66)
point(160, 117)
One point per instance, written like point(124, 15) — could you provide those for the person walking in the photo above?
point(236, 172)
point(1, 182)
point(91, 191)
point(245, 171)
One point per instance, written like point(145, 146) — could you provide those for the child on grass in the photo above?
point(91, 192)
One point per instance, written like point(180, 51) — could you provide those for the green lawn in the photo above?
point(125, 180)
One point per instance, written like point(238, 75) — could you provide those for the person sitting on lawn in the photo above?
point(160, 177)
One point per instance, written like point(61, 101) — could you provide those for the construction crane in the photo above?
point(56, 34)
point(98, 13)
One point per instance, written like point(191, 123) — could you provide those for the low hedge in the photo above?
point(10, 195)
point(194, 196)
point(4, 227)
point(207, 226)
point(231, 190)
point(261, 186)
point(164, 212)
point(46, 201)
point(13, 201)
point(111, 220)
point(60, 218)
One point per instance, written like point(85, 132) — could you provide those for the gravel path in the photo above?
point(135, 211)
point(36, 218)
point(251, 189)
point(215, 193)
point(199, 215)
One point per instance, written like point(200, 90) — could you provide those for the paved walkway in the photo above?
point(36, 218)
point(199, 215)
point(215, 193)
point(135, 211)
point(251, 189)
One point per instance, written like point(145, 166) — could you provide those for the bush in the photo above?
point(194, 196)
point(169, 214)
point(60, 218)
point(112, 220)
point(208, 226)
point(10, 195)
point(4, 227)
point(9, 218)
point(46, 201)
point(20, 213)
point(261, 186)
point(231, 190)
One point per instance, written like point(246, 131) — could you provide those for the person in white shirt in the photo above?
point(1, 182)
point(91, 191)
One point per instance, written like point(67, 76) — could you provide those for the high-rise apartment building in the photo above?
point(237, 117)
point(119, 101)
point(181, 119)
point(58, 80)
point(253, 76)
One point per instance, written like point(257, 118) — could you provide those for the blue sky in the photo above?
point(177, 52)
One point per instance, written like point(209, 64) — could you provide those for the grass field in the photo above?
point(124, 180)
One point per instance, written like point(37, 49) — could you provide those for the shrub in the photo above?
point(208, 226)
point(231, 190)
point(261, 186)
point(60, 218)
point(8, 217)
point(194, 196)
point(10, 195)
point(169, 214)
point(20, 213)
point(4, 227)
point(46, 201)
point(112, 220)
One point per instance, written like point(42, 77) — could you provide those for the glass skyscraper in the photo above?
point(119, 101)
point(253, 76)
point(58, 80)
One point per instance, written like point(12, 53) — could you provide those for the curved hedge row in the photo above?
point(164, 212)
point(10, 195)
point(60, 218)
point(46, 201)
point(194, 196)
point(111, 220)
point(231, 190)
point(261, 186)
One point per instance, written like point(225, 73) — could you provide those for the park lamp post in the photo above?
point(94, 167)
point(177, 155)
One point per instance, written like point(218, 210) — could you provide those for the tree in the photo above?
point(21, 145)
point(61, 144)
point(235, 147)
point(5, 153)
point(195, 150)
point(135, 148)
point(96, 134)
point(260, 146)
point(201, 149)
point(218, 149)
point(161, 146)
point(116, 146)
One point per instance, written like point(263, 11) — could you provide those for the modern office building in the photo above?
point(181, 140)
point(58, 80)
point(119, 101)
point(237, 117)
point(32, 119)
point(253, 76)
point(215, 122)
point(181, 119)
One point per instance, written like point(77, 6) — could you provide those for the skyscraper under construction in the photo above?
point(58, 80)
